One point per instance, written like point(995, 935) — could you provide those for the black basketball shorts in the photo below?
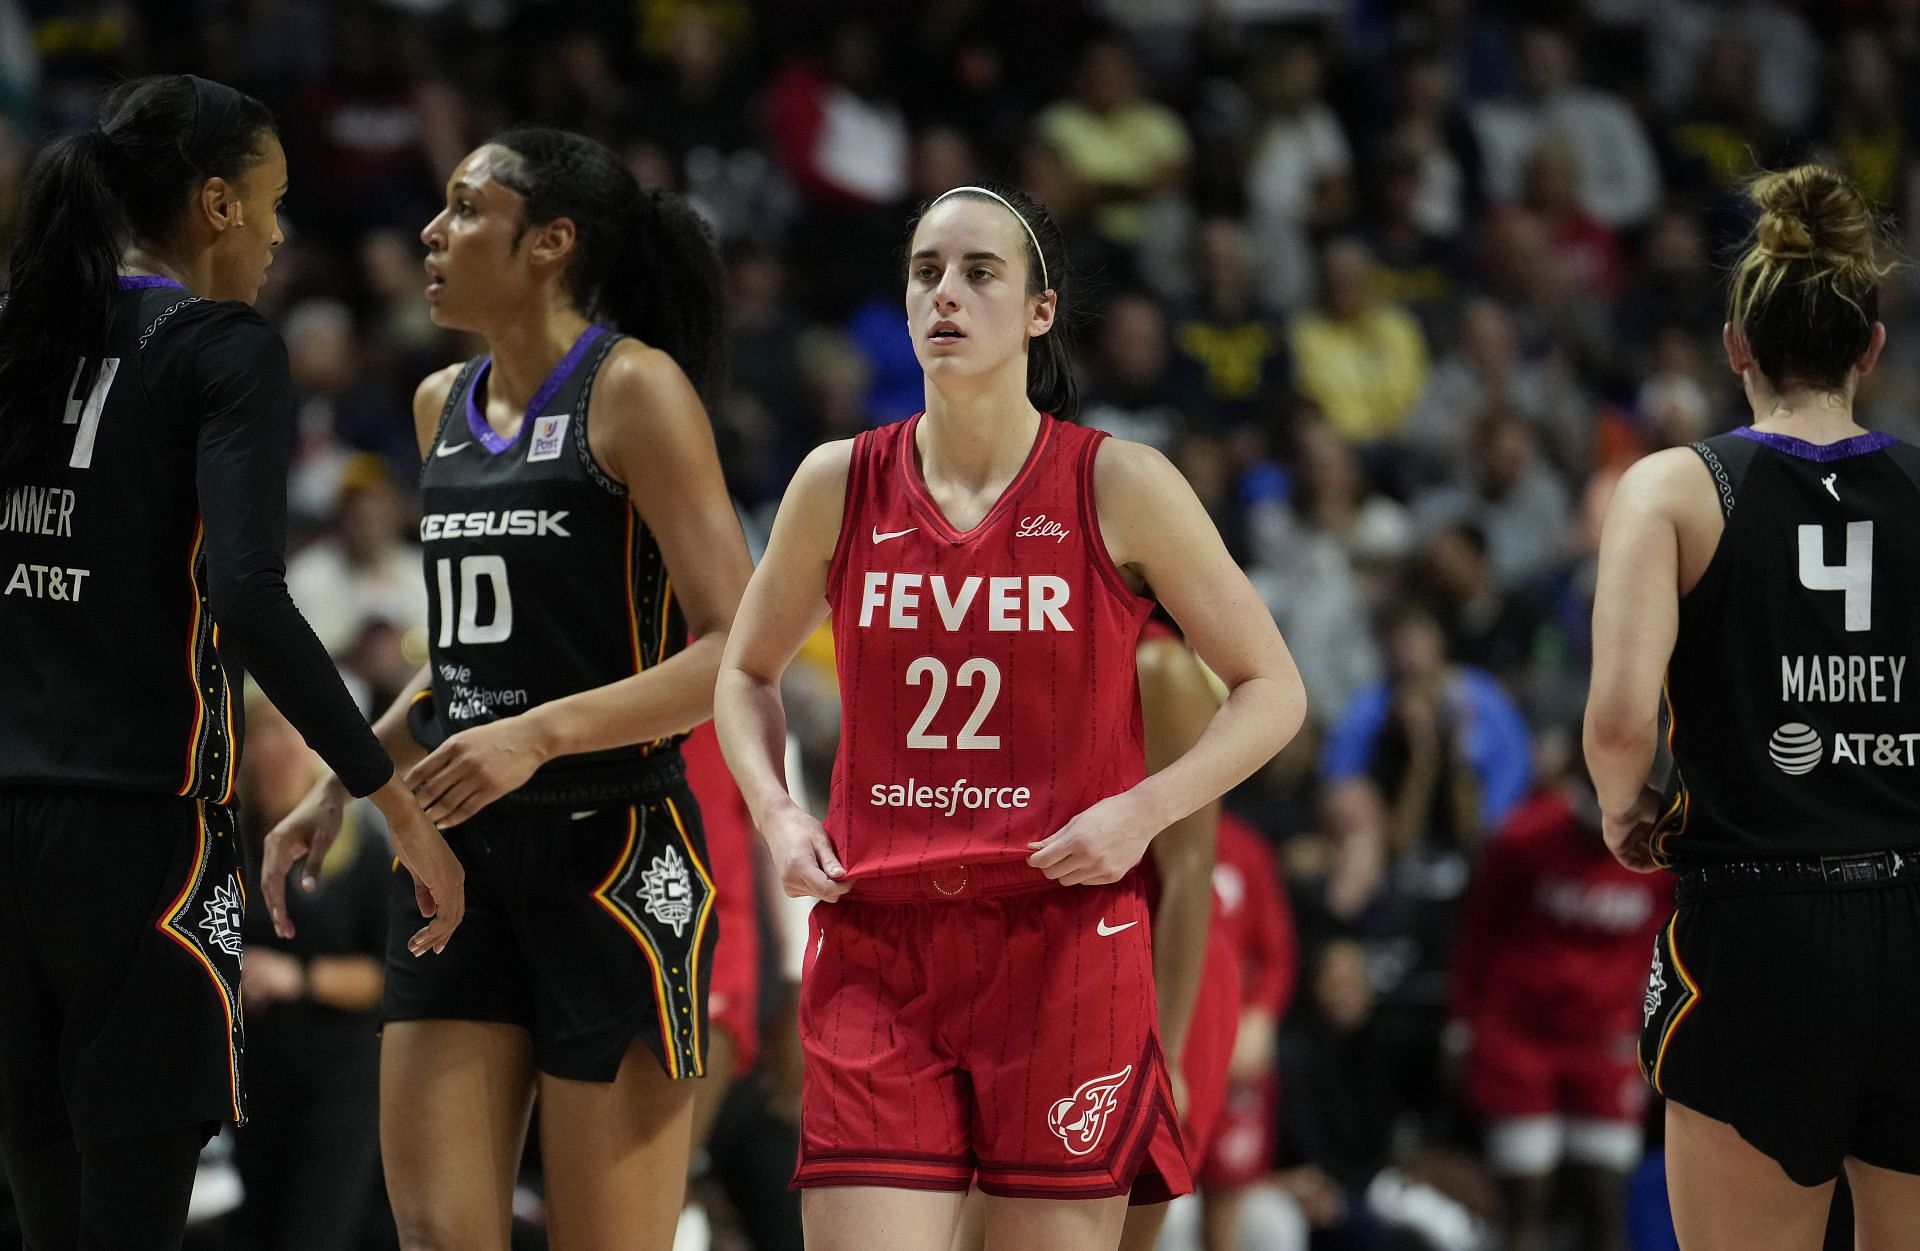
point(119, 966)
point(587, 928)
point(1795, 1018)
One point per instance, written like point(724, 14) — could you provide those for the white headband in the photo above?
point(1032, 238)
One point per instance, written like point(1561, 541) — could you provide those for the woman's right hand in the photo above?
point(439, 880)
point(305, 833)
point(803, 854)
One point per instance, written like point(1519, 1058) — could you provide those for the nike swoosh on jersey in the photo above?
point(878, 537)
point(448, 449)
point(1107, 931)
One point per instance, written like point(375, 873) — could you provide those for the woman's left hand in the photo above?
point(1630, 837)
point(476, 767)
point(1098, 846)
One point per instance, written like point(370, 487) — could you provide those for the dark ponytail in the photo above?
point(1050, 384)
point(62, 276)
point(87, 196)
point(644, 262)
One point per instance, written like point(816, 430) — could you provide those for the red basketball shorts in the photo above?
point(1006, 1041)
point(1511, 1074)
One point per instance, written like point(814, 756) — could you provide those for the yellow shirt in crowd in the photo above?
point(1133, 146)
point(1365, 374)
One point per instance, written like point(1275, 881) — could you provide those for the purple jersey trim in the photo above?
point(1858, 445)
point(477, 420)
point(142, 282)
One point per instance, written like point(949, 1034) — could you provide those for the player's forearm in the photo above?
point(751, 723)
point(670, 698)
point(1260, 717)
point(1620, 749)
point(392, 732)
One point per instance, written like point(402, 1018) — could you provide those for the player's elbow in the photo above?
point(244, 601)
point(1613, 726)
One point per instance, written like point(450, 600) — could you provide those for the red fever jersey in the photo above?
point(987, 678)
point(1555, 934)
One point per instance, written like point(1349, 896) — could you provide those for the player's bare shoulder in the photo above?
point(1133, 487)
point(429, 401)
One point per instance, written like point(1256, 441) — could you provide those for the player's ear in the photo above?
point(1739, 354)
point(1871, 357)
point(553, 241)
point(218, 204)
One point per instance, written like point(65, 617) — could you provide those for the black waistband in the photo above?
point(602, 783)
point(1859, 871)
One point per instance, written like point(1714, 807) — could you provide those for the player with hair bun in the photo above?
point(1756, 590)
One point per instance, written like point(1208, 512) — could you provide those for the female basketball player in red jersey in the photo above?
point(584, 564)
point(978, 1000)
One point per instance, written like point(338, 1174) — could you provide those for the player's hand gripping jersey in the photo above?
point(987, 677)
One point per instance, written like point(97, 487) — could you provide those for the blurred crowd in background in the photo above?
point(1401, 285)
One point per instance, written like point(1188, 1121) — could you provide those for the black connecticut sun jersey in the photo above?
point(542, 581)
point(1793, 696)
point(146, 564)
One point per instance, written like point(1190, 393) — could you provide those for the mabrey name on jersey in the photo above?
point(517, 522)
point(1841, 679)
point(38, 510)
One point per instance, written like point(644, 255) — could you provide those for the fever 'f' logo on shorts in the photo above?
point(1081, 1118)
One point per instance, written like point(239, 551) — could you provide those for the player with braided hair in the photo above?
point(583, 563)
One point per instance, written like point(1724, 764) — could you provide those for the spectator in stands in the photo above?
point(1433, 133)
point(1545, 1012)
point(1723, 135)
point(1866, 129)
point(1488, 626)
point(842, 142)
point(1299, 169)
point(1363, 361)
point(1511, 493)
point(1413, 265)
point(1126, 148)
point(1230, 350)
point(1672, 282)
point(1313, 544)
point(1619, 177)
point(1550, 187)
point(1484, 370)
point(1443, 742)
point(364, 570)
point(1130, 390)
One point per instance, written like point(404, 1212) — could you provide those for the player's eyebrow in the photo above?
point(933, 254)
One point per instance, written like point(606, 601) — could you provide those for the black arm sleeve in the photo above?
point(246, 441)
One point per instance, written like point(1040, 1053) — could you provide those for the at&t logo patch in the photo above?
point(1080, 1119)
point(1795, 748)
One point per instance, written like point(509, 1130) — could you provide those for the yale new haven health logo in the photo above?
point(1796, 748)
